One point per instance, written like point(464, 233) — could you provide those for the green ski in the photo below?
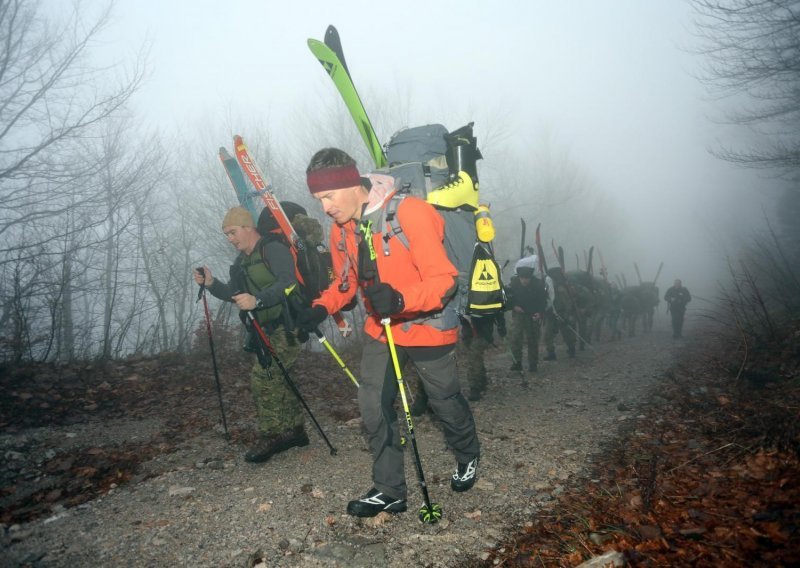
point(344, 84)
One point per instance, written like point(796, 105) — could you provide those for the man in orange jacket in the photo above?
point(409, 284)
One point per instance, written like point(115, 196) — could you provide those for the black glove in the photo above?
point(384, 299)
point(501, 325)
point(308, 319)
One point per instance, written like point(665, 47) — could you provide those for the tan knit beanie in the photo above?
point(239, 217)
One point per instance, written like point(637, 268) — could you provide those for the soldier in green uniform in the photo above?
point(561, 317)
point(528, 300)
point(261, 278)
point(476, 336)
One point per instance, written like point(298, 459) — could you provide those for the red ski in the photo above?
point(264, 189)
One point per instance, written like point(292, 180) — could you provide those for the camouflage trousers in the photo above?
point(277, 408)
point(524, 326)
point(471, 350)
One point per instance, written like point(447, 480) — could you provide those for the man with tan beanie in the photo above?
point(260, 278)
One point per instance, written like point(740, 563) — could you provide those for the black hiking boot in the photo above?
point(465, 475)
point(474, 395)
point(269, 445)
point(375, 502)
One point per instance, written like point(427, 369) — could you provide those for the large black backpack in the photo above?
point(314, 266)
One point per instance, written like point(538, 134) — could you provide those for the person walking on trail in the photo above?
point(561, 317)
point(528, 300)
point(477, 335)
point(260, 277)
point(411, 286)
point(677, 297)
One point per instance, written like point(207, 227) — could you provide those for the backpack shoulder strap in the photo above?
point(391, 225)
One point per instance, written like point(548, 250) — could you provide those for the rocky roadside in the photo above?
point(201, 505)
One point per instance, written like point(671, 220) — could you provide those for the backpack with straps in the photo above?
point(314, 268)
point(418, 163)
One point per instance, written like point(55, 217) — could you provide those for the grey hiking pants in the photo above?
point(378, 393)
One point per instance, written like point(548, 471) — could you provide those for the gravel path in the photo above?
point(204, 506)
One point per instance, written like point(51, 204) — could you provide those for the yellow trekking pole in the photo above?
point(320, 336)
point(324, 340)
point(429, 512)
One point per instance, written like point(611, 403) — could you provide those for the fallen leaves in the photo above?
point(714, 482)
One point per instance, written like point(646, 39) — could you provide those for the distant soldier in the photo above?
point(477, 334)
point(561, 317)
point(528, 299)
point(677, 297)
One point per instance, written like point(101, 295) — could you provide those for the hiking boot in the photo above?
point(373, 503)
point(461, 191)
point(474, 395)
point(551, 355)
point(516, 367)
point(269, 445)
point(464, 476)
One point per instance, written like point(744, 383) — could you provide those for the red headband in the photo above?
point(336, 177)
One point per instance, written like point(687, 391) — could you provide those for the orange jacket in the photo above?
point(422, 273)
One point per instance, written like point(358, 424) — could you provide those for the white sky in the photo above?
point(612, 79)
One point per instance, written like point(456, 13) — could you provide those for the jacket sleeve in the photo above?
point(333, 298)
point(220, 290)
point(281, 264)
point(424, 229)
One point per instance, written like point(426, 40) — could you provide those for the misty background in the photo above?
point(595, 119)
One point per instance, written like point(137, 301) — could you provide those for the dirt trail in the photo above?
point(196, 503)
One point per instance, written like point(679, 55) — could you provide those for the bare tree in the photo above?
point(752, 47)
point(50, 98)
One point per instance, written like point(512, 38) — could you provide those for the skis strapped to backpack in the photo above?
point(310, 272)
point(422, 160)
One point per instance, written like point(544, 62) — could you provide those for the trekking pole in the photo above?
point(288, 379)
point(573, 330)
point(324, 341)
point(429, 512)
point(202, 294)
point(510, 351)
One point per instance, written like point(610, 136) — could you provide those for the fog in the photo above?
point(591, 117)
point(614, 83)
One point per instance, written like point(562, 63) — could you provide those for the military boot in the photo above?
point(271, 444)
